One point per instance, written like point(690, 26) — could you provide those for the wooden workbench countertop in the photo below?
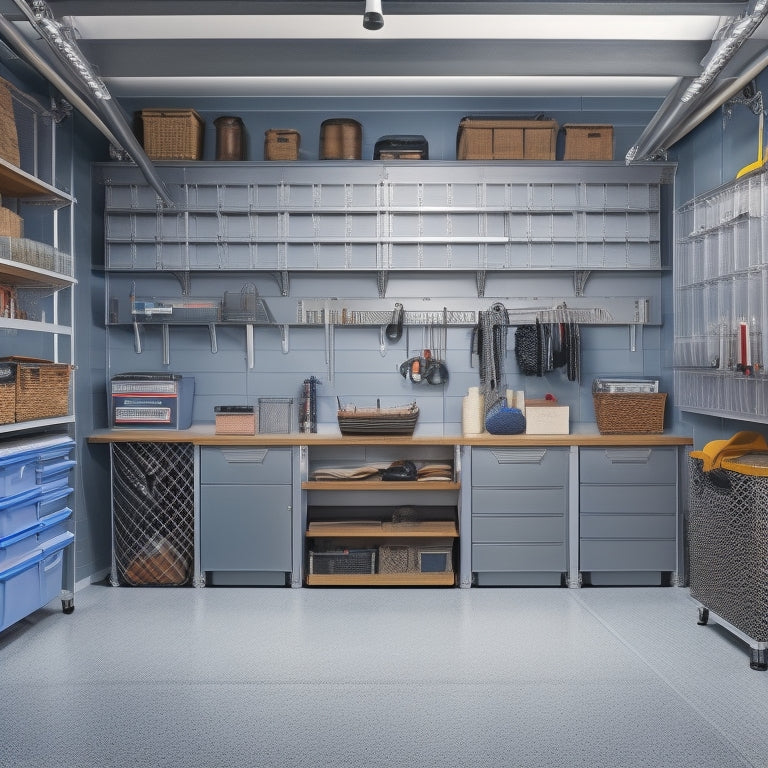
point(205, 435)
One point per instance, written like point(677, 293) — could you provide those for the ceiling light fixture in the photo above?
point(373, 17)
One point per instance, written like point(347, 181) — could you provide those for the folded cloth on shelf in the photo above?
point(400, 470)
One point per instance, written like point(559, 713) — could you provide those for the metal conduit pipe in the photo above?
point(683, 109)
point(117, 124)
point(22, 48)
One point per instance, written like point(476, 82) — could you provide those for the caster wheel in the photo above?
point(68, 606)
point(759, 659)
point(703, 616)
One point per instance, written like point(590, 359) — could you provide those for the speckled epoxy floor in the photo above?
point(514, 678)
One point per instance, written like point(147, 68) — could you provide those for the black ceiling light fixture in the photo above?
point(373, 17)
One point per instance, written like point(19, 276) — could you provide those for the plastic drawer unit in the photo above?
point(31, 462)
point(728, 538)
point(519, 516)
point(245, 515)
point(628, 515)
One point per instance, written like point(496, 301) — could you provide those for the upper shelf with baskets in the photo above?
point(381, 217)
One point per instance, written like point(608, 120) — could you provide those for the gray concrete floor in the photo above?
point(514, 678)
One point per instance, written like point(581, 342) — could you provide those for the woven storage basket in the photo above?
point(11, 224)
point(624, 413)
point(281, 144)
point(42, 388)
point(172, 134)
point(506, 139)
point(341, 138)
point(588, 142)
point(238, 423)
point(9, 137)
point(7, 393)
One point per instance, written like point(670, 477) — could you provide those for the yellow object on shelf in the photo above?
point(726, 453)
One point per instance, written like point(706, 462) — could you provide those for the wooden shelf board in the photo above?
point(379, 485)
point(421, 529)
point(444, 579)
point(17, 183)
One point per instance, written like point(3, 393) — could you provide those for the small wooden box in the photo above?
point(588, 142)
point(235, 419)
point(506, 139)
point(171, 134)
point(281, 144)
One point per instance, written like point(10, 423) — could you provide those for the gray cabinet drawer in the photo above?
point(245, 531)
point(635, 465)
point(245, 464)
point(519, 466)
point(518, 557)
point(528, 500)
point(626, 526)
point(495, 529)
point(628, 499)
point(636, 555)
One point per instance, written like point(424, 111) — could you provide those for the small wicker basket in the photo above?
point(7, 393)
point(281, 144)
point(588, 142)
point(42, 388)
point(11, 224)
point(171, 134)
point(626, 413)
point(341, 138)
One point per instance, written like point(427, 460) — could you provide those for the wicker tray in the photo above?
point(42, 388)
point(400, 420)
point(620, 413)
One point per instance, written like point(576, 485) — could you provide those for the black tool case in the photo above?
point(401, 147)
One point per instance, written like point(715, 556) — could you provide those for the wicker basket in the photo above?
point(172, 134)
point(281, 144)
point(506, 139)
point(9, 137)
point(42, 388)
point(11, 224)
point(343, 561)
point(235, 421)
point(341, 138)
point(7, 393)
point(588, 142)
point(624, 413)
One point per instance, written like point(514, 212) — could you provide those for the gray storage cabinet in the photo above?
point(519, 516)
point(245, 515)
point(627, 515)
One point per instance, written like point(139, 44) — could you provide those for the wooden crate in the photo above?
point(506, 139)
point(171, 134)
point(588, 142)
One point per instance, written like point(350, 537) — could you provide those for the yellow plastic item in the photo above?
point(759, 162)
point(718, 453)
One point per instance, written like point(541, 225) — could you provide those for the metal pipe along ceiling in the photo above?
point(694, 99)
point(113, 124)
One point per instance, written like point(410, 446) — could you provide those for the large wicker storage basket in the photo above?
point(588, 142)
point(281, 144)
point(626, 413)
point(7, 393)
point(341, 138)
point(171, 134)
point(42, 388)
point(9, 137)
point(482, 138)
point(11, 224)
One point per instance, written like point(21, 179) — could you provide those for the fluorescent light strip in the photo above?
point(651, 87)
point(432, 27)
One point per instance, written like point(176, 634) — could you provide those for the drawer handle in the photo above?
point(245, 455)
point(628, 456)
point(516, 456)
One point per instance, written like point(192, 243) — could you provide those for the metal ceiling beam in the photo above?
point(394, 7)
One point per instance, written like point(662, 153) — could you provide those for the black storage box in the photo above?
point(405, 147)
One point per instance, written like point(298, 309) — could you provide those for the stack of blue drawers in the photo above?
point(34, 522)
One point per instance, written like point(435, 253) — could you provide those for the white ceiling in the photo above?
point(190, 48)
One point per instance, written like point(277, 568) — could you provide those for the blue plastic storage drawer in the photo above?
point(26, 510)
point(33, 581)
point(20, 545)
point(23, 462)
